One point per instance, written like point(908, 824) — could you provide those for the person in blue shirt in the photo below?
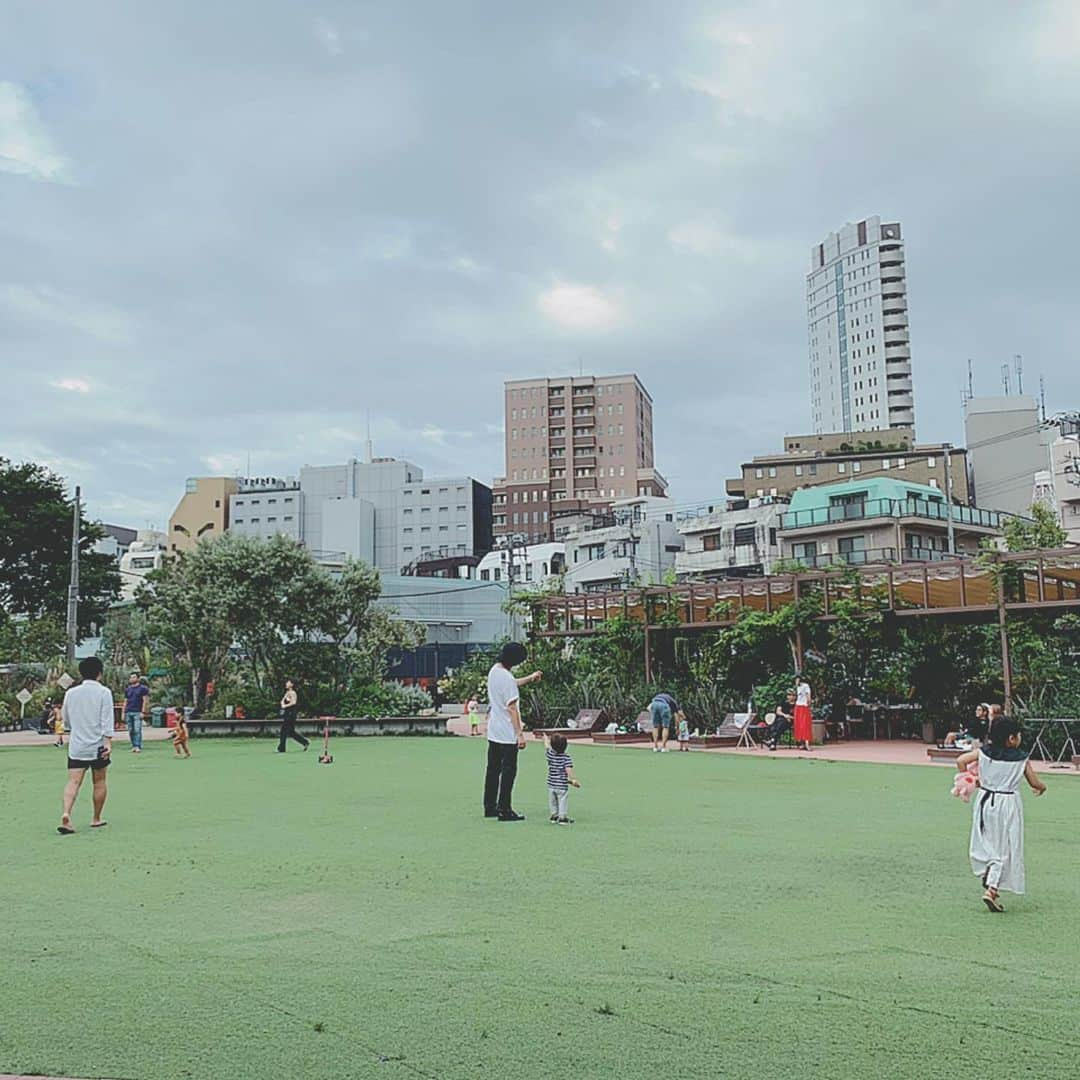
point(136, 704)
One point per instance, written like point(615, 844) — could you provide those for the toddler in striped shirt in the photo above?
point(560, 779)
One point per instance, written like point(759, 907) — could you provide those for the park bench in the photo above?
point(586, 723)
point(943, 753)
point(617, 738)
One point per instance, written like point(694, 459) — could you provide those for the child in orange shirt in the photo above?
point(180, 735)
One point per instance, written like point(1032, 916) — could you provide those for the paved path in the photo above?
point(32, 738)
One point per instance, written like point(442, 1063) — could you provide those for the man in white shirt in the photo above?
point(88, 717)
point(506, 736)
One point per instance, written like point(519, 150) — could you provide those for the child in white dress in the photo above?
point(997, 825)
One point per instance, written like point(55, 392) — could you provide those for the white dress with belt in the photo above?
point(997, 825)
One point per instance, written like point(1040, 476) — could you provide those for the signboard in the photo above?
point(65, 681)
point(22, 697)
point(157, 672)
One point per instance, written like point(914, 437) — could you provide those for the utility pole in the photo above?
point(948, 498)
point(73, 583)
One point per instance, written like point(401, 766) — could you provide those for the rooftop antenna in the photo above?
point(1018, 364)
point(249, 463)
point(1005, 378)
point(971, 381)
point(1042, 397)
point(369, 449)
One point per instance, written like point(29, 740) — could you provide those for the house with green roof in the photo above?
point(881, 520)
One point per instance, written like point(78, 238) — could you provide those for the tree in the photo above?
point(1041, 530)
point(35, 549)
point(270, 609)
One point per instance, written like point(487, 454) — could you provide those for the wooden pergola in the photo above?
point(1038, 581)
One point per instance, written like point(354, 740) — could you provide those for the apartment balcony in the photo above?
point(866, 557)
point(898, 321)
point(890, 277)
point(901, 399)
point(891, 260)
point(584, 440)
point(895, 290)
point(557, 443)
point(899, 383)
point(585, 461)
point(722, 560)
point(936, 511)
point(897, 337)
point(589, 420)
point(585, 399)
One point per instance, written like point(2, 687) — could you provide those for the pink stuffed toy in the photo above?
point(965, 783)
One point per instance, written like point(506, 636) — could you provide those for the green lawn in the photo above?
point(252, 915)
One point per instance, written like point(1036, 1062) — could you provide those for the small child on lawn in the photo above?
point(472, 710)
point(180, 735)
point(58, 724)
point(997, 826)
point(684, 735)
point(560, 779)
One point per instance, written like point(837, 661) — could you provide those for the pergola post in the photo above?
point(648, 656)
point(1006, 663)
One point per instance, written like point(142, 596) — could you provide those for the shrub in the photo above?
point(369, 698)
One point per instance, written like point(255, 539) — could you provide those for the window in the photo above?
point(931, 463)
point(798, 470)
point(759, 474)
point(847, 544)
point(804, 552)
point(485, 575)
point(901, 463)
point(841, 468)
point(885, 464)
point(772, 471)
point(933, 481)
point(856, 466)
point(745, 535)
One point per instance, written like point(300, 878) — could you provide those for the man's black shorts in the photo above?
point(100, 762)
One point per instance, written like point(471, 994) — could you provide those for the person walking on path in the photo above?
point(997, 824)
point(136, 704)
point(289, 709)
point(89, 719)
point(804, 717)
point(506, 736)
point(665, 711)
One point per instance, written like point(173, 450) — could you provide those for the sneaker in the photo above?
point(553, 818)
point(566, 821)
point(663, 749)
point(511, 815)
point(656, 749)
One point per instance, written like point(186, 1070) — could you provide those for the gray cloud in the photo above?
point(235, 230)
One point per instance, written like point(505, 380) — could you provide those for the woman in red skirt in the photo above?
point(804, 718)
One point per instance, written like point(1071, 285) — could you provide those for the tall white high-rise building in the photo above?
point(857, 313)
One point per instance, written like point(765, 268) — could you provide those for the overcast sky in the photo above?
point(229, 230)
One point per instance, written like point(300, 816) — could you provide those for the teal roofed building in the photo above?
point(881, 520)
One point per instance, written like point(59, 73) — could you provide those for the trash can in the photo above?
point(157, 716)
point(170, 717)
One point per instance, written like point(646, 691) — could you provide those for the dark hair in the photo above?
point(512, 654)
point(558, 743)
point(91, 667)
point(1002, 729)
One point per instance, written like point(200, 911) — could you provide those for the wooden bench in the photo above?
point(943, 753)
point(617, 738)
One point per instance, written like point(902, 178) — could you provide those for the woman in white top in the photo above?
point(804, 717)
point(997, 825)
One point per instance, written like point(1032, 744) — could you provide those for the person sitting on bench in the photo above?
point(785, 711)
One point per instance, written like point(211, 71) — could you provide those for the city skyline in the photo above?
point(340, 216)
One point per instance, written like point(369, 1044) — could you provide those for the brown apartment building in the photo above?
point(810, 460)
point(573, 445)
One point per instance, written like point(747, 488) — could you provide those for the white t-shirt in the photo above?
point(88, 716)
point(502, 693)
point(802, 694)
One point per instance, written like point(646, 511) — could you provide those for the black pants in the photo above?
point(288, 731)
point(501, 772)
point(777, 728)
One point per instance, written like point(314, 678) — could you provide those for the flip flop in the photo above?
point(992, 902)
point(99, 825)
point(65, 830)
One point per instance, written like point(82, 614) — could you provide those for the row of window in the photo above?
point(255, 502)
point(408, 529)
point(256, 521)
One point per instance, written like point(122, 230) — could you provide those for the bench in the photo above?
point(943, 753)
point(313, 726)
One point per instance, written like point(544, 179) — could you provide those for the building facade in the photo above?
point(267, 507)
point(1007, 446)
point(531, 567)
point(1059, 486)
point(859, 336)
point(742, 540)
point(812, 460)
point(880, 521)
point(637, 544)
point(573, 445)
point(202, 513)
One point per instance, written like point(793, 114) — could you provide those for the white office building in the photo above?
point(532, 566)
point(742, 540)
point(635, 545)
point(859, 340)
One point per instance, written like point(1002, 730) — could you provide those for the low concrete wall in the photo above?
point(313, 728)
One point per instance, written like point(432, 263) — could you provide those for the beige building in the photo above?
point(812, 460)
point(202, 513)
point(573, 447)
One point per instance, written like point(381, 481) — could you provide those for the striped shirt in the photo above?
point(557, 766)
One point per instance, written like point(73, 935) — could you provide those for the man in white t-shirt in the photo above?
point(88, 717)
point(506, 736)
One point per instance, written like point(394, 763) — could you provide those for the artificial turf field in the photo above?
point(248, 914)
